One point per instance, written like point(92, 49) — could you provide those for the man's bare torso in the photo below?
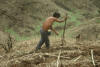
point(48, 23)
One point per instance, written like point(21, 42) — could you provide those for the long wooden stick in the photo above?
point(63, 37)
point(92, 58)
point(64, 30)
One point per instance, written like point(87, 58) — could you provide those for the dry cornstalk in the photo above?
point(92, 58)
point(58, 60)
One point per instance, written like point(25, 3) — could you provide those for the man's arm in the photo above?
point(54, 30)
point(57, 20)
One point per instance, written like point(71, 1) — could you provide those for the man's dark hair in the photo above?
point(56, 14)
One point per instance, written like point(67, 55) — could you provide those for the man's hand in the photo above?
point(56, 33)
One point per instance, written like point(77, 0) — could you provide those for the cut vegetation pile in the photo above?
point(69, 55)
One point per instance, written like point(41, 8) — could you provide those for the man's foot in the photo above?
point(47, 47)
point(37, 49)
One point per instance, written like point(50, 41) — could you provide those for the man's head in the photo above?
point(56, 14)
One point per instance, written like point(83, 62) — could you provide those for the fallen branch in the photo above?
point(77, 58)
point(42, 54)
point(92, 58)
point(58, 60)
point(55, 56)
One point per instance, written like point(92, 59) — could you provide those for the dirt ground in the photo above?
point(71, 54)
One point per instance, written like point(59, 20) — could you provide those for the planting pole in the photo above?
point(63, 36)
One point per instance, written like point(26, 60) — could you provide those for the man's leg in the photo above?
point(47, 42)
point(40, 43)
point(42, 40)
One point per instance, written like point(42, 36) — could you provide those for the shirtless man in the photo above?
point(45, 27)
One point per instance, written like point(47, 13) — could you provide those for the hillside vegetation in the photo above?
point(24, 17)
